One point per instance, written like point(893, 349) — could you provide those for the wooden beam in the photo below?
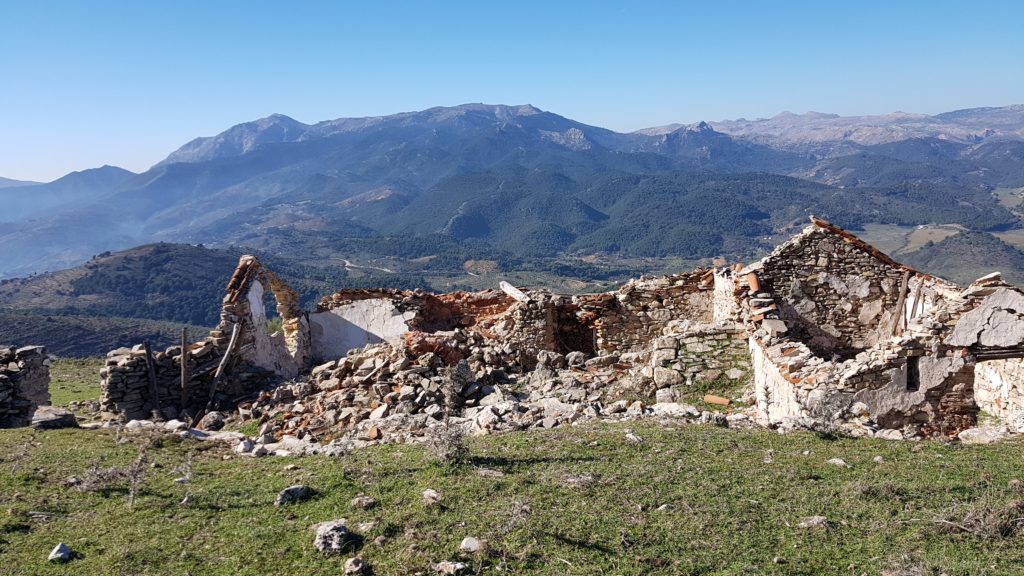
point(514, 292)
point(223, 363)
point(154, 392)
point(899, 304)
point(185, 350)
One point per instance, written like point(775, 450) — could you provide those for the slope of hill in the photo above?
point(10, 183)
point(30, 199)
point(968, 256)
point(148, 292)
point(83, 336)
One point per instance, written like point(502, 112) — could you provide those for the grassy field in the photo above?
point(896, 240)
point(74, 379)
point(582, 500)
point(1011, 198)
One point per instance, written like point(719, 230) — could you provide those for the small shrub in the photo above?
point(985, 518)
point(448, 446)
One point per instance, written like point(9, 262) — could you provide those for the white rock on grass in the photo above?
point(837, 462)
point(363, 502)
point(332, 537)
point(355, 566)
point(981, 435)
point(450, 568)
point(60, 553)
point(470, 545)
point(817, 522)
point(431, 497)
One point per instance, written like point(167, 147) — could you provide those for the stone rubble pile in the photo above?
point(380, 394)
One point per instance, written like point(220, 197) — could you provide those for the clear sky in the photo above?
point(85, 83)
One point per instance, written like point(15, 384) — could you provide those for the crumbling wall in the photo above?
point(336, 331)
point(774, 393)
point(999, 390)
point(128, 391)
point(835, 293)
point(24, 384)
point(699, 356)
point(629, 319)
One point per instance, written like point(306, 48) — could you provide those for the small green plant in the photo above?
point(250, 428)
point(275, 325)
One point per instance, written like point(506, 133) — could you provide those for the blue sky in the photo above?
point(85, 83)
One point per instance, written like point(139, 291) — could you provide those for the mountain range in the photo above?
point(456, 197)
point(519, 182)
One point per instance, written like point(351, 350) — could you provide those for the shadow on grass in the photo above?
point(581, 544)
point(500, 462)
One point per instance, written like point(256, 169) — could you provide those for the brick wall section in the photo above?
point(24, 384)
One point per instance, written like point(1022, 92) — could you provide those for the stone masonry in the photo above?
point(24, 384)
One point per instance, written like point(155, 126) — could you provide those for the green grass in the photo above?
point(734, 499)
point(74, 379)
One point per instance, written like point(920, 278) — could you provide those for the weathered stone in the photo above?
point(60, 553)
point(356, 566)
point(470, 545)
point(50, 417)
point(211, 421)
point(363, 502)
point(814, 522)
point(332, 537)
point(431, 497)
point(292, 494)
point(450, 568)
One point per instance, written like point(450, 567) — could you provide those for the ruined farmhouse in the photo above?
point(826, 330)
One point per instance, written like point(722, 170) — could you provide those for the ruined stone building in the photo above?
point(826, 329)
point(24, 384)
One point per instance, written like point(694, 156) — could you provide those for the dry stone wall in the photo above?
point(128, 390)
point(834, 292)
point(701, 356)
point(24, 384)
point(631, 318)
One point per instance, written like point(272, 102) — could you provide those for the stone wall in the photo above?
point(24, 384)
point(629, 319)
point(835, 293)
point(998, 390)
point(699, 356)
point(127, 392)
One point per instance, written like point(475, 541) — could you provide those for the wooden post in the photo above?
point(902, 301)
point(223, 363)
point(184, 368)
point(917, 298)
point(151, 371)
